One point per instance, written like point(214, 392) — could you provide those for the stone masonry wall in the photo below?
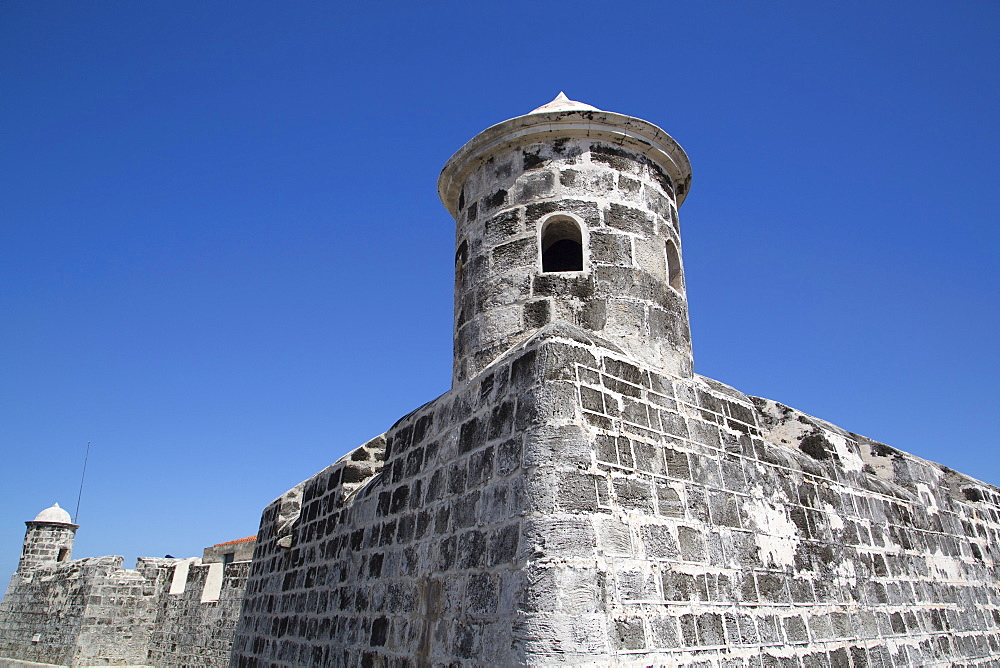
point(46, 543)
point(707, 528)
point(194, 627)
point(81, 612)
point(415, 563)
point(626, 206)
point(570, 506)
point(93, 612)
point(26, 609)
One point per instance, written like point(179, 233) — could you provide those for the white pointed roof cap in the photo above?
point(563, 103)
point(54, 514)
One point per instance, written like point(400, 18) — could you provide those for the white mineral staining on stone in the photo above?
point(849, 459)
point(928, 498)
point(845, 574)
point(784, 431)
point(562, 536)
point(635, 582)
point(943, 566)
point(814, 437)
point(579, 590)
point(614, 537)
point(776, 534)
point(836, 522)
point(649, 254)
point(289, 509)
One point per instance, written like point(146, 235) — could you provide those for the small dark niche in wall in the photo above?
point(562, 246)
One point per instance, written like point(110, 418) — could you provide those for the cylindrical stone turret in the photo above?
point(569, 213)
point(48, 539)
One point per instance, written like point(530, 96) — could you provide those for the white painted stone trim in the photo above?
point(179, 581)
point(213, 583)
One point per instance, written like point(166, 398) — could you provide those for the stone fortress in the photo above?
point(92, 612)
point(580, 496)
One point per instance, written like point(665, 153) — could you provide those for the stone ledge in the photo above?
point(16, 663)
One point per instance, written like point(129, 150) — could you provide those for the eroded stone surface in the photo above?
point(606, 538)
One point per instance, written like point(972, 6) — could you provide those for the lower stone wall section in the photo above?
point(193, 633)
point(93, 612)
point(81, 612)
point(414, 562)
point(570, 507)
point(709, 528)
point(16, 663)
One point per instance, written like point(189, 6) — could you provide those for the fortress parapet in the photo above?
point(165, 612)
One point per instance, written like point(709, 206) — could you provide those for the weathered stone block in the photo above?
point(634, 495)
point(692, 543)
point(629, 633)
point(659, 542)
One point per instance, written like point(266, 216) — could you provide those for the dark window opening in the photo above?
point(461, 256)
point(228, 558)
point(562, 246)
point(674, 267)
point(63, 554)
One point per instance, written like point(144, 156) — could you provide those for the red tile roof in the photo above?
point(248, 539)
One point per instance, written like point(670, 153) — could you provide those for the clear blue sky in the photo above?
point(225, 264)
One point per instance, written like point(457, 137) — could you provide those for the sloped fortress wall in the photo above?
point(627, 518)
point(363, 563)
point(581, 497)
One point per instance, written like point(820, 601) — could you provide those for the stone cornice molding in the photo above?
point(626, 131)
point(61, 525)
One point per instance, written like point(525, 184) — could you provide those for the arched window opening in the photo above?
point(562, 246)
point(674, 267)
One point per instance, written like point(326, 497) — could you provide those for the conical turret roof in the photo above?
point(563, 103)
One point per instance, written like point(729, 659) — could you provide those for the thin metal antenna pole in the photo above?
point(76, 515)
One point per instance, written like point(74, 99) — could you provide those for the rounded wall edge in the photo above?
point(642, 135)
point(60, 525)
